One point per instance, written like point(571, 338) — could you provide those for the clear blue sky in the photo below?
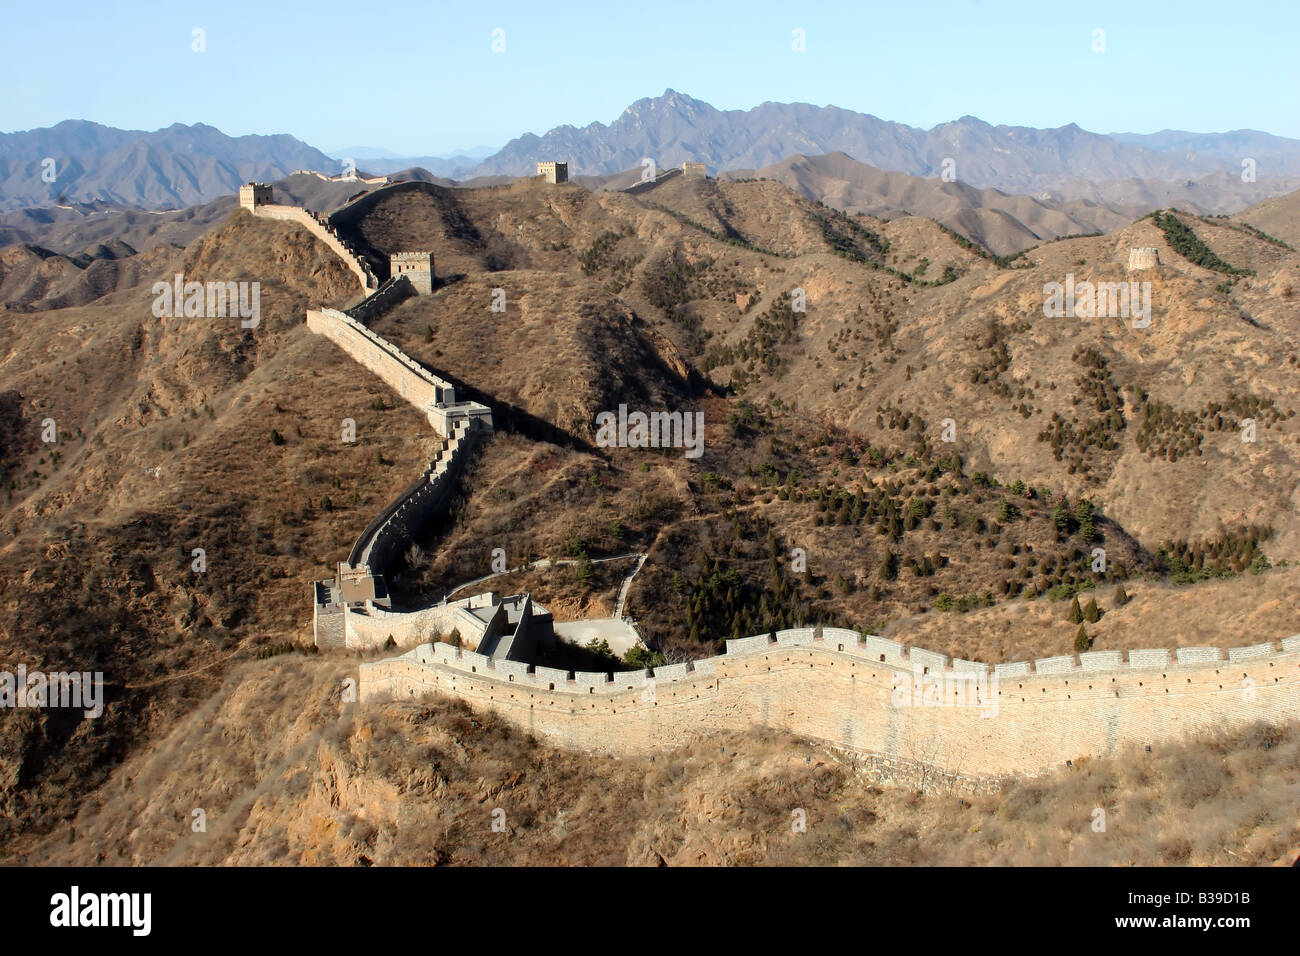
point(420, 78)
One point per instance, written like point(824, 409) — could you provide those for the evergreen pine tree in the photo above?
point(1092, 613)
point(1081, 641)
point(1121, 596)
point(1076, 612)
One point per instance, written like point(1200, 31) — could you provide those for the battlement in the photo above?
point(861, 693)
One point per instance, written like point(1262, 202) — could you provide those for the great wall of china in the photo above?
point(968, 722)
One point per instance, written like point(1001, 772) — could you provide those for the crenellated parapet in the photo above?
point(874, 696)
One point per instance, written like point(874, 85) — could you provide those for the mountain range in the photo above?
point(674, 128)
point(166, 169)
point(185, 165)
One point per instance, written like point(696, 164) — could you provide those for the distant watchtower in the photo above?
point(253, 195)
point(1146, 257)
point(416, 266)
point(553, 171)
point(695, 169)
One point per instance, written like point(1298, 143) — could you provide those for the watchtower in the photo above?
point(553, 171)
point(1146, 257)
point(695, 169)
point(416, 266)
point(253, 195)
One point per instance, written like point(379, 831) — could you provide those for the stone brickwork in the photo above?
point(392, 531)
point(833, 687)
point(252, 195)
point(394, 290)
point(416, 266)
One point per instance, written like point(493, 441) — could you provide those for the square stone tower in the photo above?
point(553, 171)
point(254, 194)
point(416, 266)
point(1143, 257)
point(695, 169)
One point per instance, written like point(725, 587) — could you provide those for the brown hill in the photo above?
point(1001, 222)
point(823, 432)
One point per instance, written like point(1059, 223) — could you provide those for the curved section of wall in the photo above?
point(395, 527)
point(394, 290)
point(326, 233)
point(859, 693)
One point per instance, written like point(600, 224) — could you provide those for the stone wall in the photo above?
point(1143, 258)
point(408, 378)
point(394, 290)
point(371, 627)
point(327, 234)
point(392, 531)
point(843, 690)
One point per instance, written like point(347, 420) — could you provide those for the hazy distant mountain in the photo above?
point(168, 168)
point(674, 127)
point(1001, 222)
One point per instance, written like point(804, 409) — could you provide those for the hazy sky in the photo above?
point(422, 78)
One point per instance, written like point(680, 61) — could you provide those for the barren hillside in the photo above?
point(824, 431)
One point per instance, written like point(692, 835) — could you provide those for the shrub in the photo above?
point(638, 657)
point(1076, 612)
point(1091, 613)
point(1081, 640)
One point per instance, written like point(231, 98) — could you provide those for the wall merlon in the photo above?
point(1199, 655)
point(1016, 669)
point(796, 637)
point(929, 660)
point(747, 645)
point(1249, 653)
point(707, 667)
point(671, 672)
point(1055, 665)
point(1157, 657)
point(516, 669)
point(551, 675)
point(591, 680)
point(631, 680)
point(881, 649)
point(1101, 660)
